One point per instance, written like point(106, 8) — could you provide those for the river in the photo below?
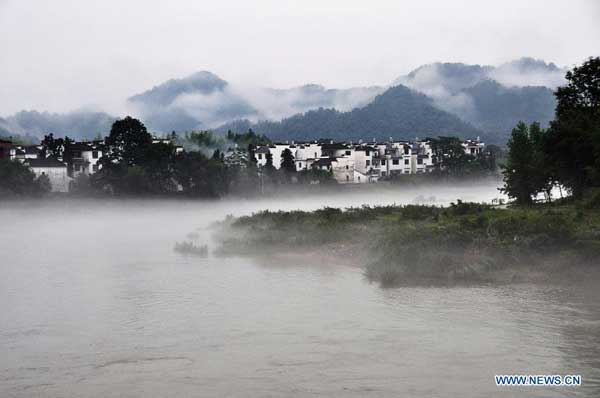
point(95, 303)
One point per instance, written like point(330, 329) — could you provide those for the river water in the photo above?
point(95, 303)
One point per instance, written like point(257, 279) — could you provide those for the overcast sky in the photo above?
point(61, 55)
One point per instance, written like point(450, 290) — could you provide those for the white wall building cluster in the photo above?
point(349, 163)
point(363, 162)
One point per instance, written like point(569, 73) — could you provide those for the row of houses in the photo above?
point(361, 162)
point(348, 162)
point(85, 158)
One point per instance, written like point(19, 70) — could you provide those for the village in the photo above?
point(347, 162)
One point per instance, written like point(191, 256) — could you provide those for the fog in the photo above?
point(95, 302)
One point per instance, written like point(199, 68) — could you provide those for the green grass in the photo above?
point(465, 242)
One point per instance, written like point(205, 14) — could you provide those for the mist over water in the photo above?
point(94, 302)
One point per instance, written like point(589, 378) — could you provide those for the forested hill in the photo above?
point(399, 112)
point(497, 109)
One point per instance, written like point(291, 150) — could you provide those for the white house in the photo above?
point(362, 162)
point(473, 147)
point(54, 169)
point(86, 157)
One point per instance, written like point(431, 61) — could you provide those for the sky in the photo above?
point(62, 55)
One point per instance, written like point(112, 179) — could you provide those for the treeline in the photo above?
point(132, 165)
point(449, 153)
point(565, 155)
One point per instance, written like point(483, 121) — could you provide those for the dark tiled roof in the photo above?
point(334, 146)
point(262, 149)
point(81, 146)
point(323, 162)
point(47, 162)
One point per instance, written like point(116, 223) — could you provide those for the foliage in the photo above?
point(287, 161)
point(248, 138)
point(573, 143)
point(568, 153)
point(525, 172)
point(127, 141)
point(17, 179)
point(200, 176)
point(462, 242)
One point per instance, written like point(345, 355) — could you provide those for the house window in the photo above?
point(368, 163)
point(348, 152)
point(419, 161)
point(383, 162)
point(260, 155)
point(406, 151)
point(95, 154)
point(315, 155)
point(347, 178)
point(383, 173)
point(406, 161)
point(346, 167)
point(395, 161)
point(358, 178)
point(367, 153)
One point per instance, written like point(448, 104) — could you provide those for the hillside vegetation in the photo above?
point(399, 112)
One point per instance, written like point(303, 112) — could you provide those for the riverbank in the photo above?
point(416, 244)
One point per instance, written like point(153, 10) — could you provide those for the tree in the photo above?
point(17, 179)
point(287, 161)
point(269, 161)
point(127, 141)
point(573, 142)
point(158, 168)
point(450, 154)
point(199, 175)
point(519, 172)
point(51, 147)
point(252, 156)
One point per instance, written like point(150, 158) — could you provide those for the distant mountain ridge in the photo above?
point(491, 99)
point(76, 124)
point(399, 112)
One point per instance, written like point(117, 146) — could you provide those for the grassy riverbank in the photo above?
point(462, 243)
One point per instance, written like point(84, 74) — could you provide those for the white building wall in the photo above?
point(59, 180)
point(92, 158)
point(343, 170)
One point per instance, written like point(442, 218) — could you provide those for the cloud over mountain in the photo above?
point(490, 98)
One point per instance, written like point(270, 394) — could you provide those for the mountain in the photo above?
point(399, 112)
point(497, 109)
point(204, 100)
point(490, 98)
point(164, 94)
point(76, 124)
point(198, 101)
point(493, 99)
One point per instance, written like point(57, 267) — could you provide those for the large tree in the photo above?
point(573, 142)
point(127, 141)
point(287, 161)
point(519, 171)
